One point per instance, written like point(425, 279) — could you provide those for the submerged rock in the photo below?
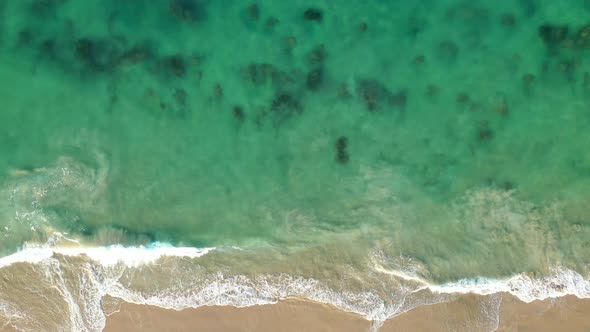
point(253, 12)
point(315, 79)
point(586, 82)
point(271, 23)
point(174, 65)
point(136, 54)
point(286, 103)
point(508, 20)
point(313, 14)
point(374, 95)
point(317, 56)
point(484, 132)
point(187, 10)
point(258, 73)
point(341, 150)
point(46, 8)
point(97, 54)
point(448, 50)
point(553, 35)
point(238, 113)
point(284, 106)
point(180, 96)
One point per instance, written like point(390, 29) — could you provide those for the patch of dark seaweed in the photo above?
point(313, 15)
point(314, 79)
point(45, 8)
point(98, 54)
point(284, 106)
point(341, 145)
point(188, 10)
point(375, 95)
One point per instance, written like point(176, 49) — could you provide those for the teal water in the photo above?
point(452, 133)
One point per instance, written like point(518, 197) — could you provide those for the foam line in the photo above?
point(560, 282)
point(245, 291)
point(106, 256)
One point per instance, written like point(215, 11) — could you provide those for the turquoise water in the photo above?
point(218, 123)
point(450, 133)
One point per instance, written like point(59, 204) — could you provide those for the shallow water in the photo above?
point(446, 138)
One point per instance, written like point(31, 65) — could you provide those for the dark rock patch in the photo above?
point(271, 23)
point(508, 20)
point(553, 35)
point(258, 73)
point(507, 185)
point(582, 37)
point(290, 43)
point(284, 106)
point(415, 27)
point(559, 36)
point(528, 83)
point(253, 12)
point(238, 113)
point(462, 98)
point(285, 103)
point(314, 79)
point(372, 93)
point(341, 145)
point(174, 65)
point(419, 60)
point(187, 10)
point(399, 99)
point(180, 96)
point(528, 7)
point(217, 91)
point(586, 82)
point(375, 95)
point(432, 90)
point(48, 49)
point(484, 132)
point(313, 14)
point(26, 37)
point(136, 54)
point(97, 54)
point(467, 13)
point(363, 27)
point(46, 8)
point(500, 105)
point(448, 50)
point(317, 55)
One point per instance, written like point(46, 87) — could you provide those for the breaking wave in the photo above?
point(88, 275)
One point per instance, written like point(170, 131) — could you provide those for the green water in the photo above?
point(454, 133)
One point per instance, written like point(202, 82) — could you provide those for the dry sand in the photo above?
point(463, 314)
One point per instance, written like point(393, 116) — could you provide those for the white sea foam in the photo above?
point(560, 282)
point(103, 278)
point(105, 256)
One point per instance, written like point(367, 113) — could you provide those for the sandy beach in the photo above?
point(463, 314)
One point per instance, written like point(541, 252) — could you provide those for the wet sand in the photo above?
point(463, 314)
point(289, 316)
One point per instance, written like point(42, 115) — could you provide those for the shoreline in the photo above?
point(467, 312)
point(521, 302)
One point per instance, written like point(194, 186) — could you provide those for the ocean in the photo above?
point(374, 155)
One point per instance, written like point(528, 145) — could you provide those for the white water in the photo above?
point(244, 291)
point(106, 256)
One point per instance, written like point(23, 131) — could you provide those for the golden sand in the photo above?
point(463, 314)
